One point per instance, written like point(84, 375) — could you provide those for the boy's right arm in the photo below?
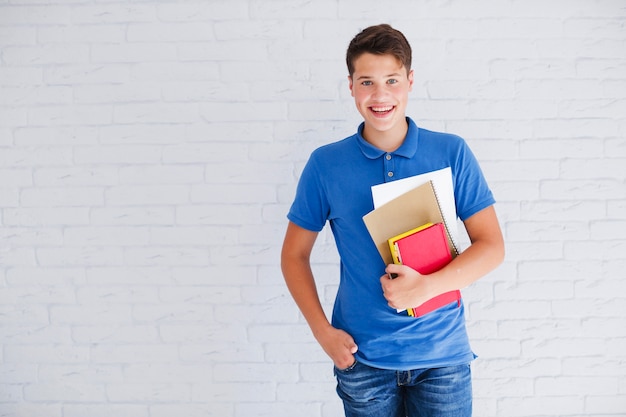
point(296, 267)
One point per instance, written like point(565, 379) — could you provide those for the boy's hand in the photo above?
point(339, 345)
point(408, 289)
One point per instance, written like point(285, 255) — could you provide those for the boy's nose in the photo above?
point(379, 91)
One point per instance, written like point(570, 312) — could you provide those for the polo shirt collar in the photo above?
point(407, 149)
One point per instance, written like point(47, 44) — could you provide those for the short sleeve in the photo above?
point(472, 193)
point(310, 208)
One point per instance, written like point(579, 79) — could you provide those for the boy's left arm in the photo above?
point(411, 289)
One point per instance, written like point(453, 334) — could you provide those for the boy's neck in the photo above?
point(388, 140)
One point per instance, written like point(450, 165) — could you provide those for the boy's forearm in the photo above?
point(296, 268)
point(484, 254)
point(338, 344)
point(476, 261)
point(301, 285)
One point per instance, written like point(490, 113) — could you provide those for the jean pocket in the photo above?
point(348, 369)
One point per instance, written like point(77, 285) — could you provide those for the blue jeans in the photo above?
point(438, 392)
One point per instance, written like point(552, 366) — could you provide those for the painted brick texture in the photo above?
point(149, 151)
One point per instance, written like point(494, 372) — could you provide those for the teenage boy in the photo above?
point(388, 363)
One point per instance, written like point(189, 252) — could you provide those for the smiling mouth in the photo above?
point(381, 110)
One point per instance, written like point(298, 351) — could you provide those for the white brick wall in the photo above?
point(149, 151)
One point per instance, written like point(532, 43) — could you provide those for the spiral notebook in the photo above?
point(406, 212)
point(442, 184)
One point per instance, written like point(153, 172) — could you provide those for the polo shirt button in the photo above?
point(390, 174)
point(388, 157)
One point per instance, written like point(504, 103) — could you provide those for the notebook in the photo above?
point(424, 248)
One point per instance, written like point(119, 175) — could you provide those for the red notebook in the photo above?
point(424, 249)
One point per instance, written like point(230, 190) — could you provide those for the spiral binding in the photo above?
point(455, 248)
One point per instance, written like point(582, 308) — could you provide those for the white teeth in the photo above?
point(382, 109)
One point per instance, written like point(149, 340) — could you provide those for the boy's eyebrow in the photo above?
point(395, 74)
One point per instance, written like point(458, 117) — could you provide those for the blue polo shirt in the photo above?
point(335, 187)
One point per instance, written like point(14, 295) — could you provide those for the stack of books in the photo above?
point(411, 229)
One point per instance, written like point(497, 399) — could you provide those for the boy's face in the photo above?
point(380, 86)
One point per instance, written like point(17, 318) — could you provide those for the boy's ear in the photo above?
point(411, 80)
point(350, 85)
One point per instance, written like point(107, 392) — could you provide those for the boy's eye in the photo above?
point(366, 83)
point(392, 81)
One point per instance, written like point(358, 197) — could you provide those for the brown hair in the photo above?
point(379, 40)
